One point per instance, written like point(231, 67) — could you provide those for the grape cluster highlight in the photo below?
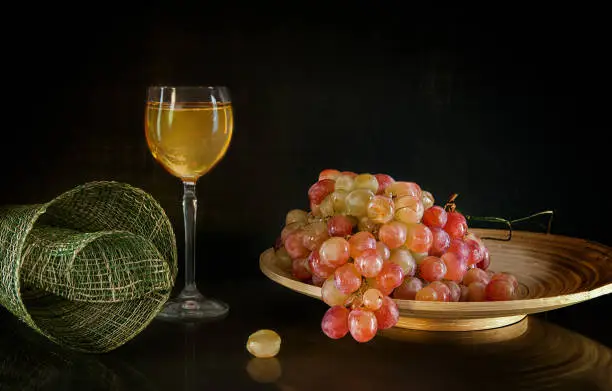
point(368, 239)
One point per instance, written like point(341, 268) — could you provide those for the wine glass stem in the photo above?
point(190, 208)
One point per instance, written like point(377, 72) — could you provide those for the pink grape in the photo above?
point(331, 295)
point(335, 322)
point(289, 229)
point(317, 281)
point(476, 275)
point(384, 181)
point(388, 314)
point(464, 293)
point(419, 238)
point(440, 242)
point(500, 289)
point(435, 217)
point(486, 260)
point(389, 278)
point(456, 266)
point(314, 234)
point(360, 242)
point(454, 288)
point(295, 246)
point(278, 243)
point(369, 263)
point(320, 190)
point(443, 291)
point(300, 269)
point(408, 289)
point(456, 225)
point(400, 189)
point(362, 324)
point(427, 294)
point(476, 249)
point(476, 292)
point(459, 247)
point(393, 234)
point(383, 250)
point(381, 209)
point(334, 251)
point(347, 278)
point(432, 269)
point(329, 173)
point(339, 225)
point(372, 299)
point(409, 209)
point(317, 267)
point(506, 276)
point(403, 257)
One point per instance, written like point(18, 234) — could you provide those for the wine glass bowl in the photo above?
point(188, 131)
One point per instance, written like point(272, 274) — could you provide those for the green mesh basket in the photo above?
point(89, 269)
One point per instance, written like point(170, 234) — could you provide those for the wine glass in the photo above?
point(188, 131)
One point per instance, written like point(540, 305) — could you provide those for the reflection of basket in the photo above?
point(89, 269)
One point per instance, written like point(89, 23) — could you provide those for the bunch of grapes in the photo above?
point(369, 239)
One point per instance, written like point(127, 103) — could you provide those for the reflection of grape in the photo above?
point(264, 370)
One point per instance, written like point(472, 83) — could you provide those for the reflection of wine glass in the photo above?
point(188, 131)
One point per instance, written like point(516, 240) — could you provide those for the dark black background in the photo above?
point(509, 107)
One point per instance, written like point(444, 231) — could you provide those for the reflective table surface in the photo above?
point(534, 354)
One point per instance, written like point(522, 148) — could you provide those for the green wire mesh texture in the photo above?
point(89, 269)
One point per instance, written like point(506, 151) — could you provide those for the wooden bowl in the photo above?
point(553, 271)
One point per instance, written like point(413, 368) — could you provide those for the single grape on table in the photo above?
point(369, 240)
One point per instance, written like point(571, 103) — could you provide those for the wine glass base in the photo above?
point(193, 308)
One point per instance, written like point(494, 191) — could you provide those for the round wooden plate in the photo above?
point(553, 271)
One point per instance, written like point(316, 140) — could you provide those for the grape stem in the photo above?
point(509, 223)
point(450, 205)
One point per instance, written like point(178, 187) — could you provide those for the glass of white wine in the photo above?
point(188, 131)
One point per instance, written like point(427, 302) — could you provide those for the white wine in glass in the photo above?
point(188, 131)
